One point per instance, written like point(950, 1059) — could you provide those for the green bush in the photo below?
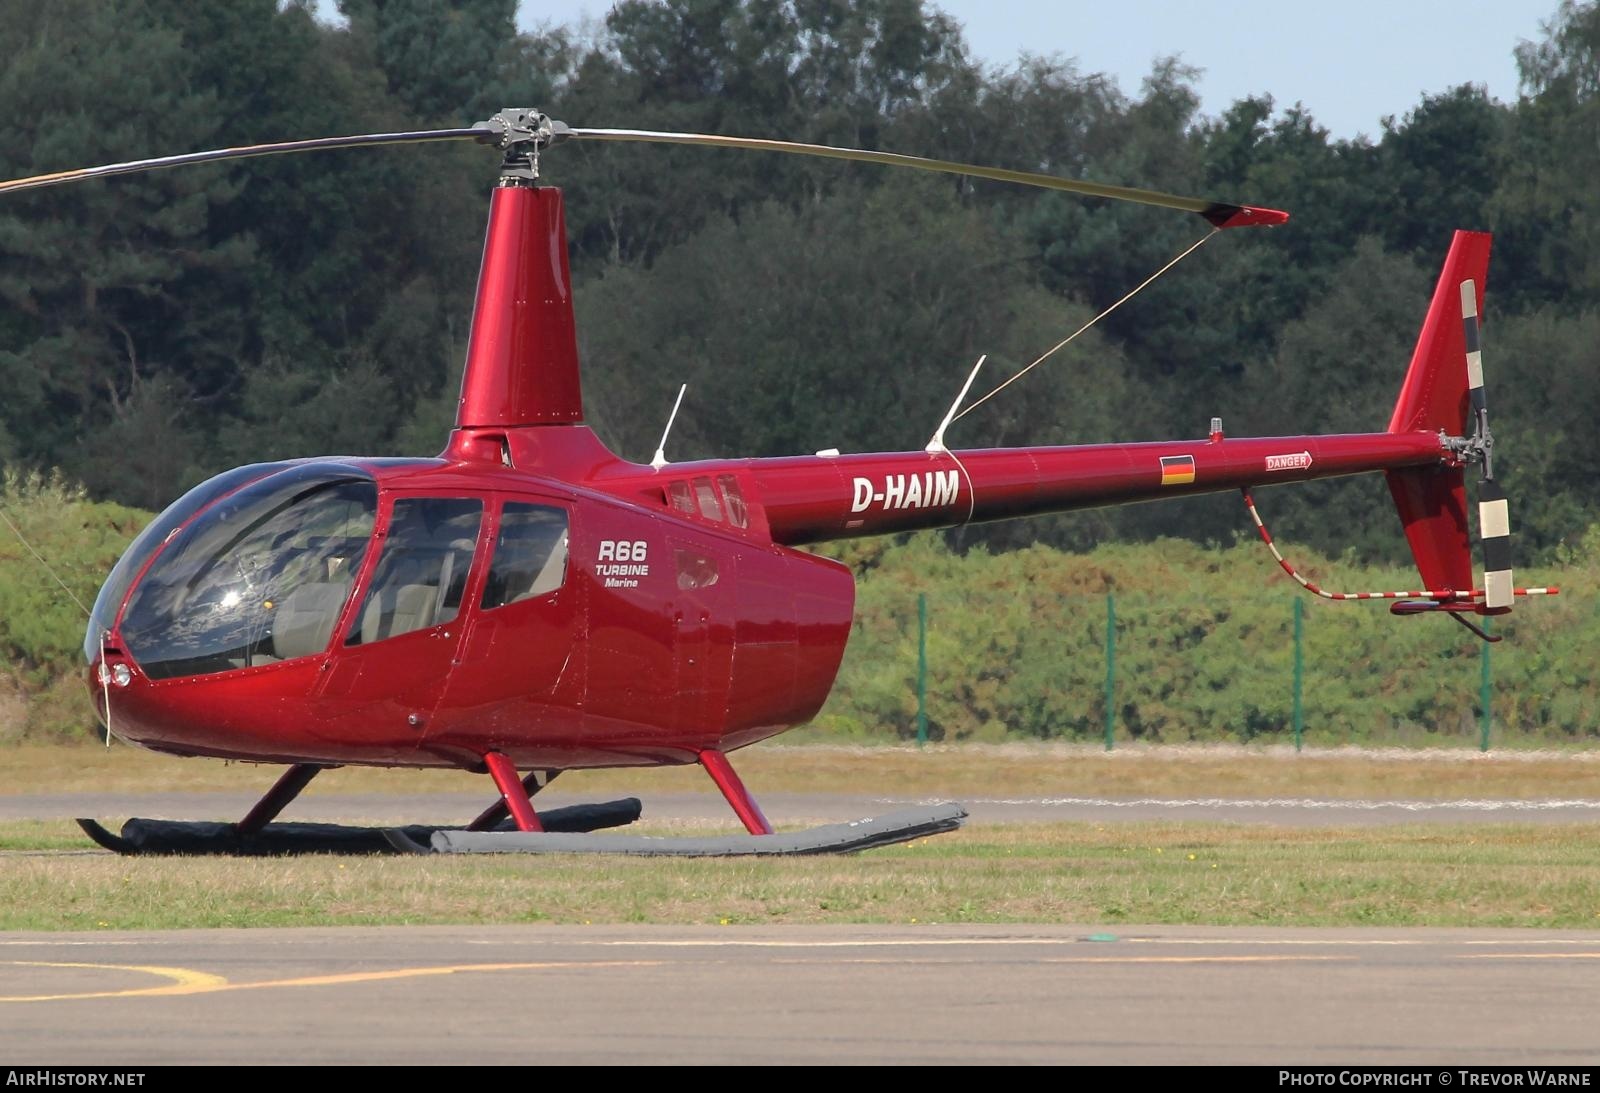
point(41, 627)
point(1016, 648)
point(1016, 641)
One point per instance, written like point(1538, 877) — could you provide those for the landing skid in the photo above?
point(566, 831)
point(512, 826)
point(846, 838)
point(141, 836)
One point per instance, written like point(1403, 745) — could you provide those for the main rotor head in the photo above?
point(521, 134)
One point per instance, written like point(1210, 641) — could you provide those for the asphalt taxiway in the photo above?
point(746, 995)
point(818, 994)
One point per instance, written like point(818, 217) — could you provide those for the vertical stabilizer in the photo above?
point(1434, 395)
point(1436, 398)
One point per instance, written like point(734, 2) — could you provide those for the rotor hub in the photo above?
point(1477, 448)
point(521, 134)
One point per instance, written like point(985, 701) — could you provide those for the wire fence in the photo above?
point(998, 663)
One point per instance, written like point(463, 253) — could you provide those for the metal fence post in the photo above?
point(922, 668)
point(1483, 691)
point(1111, 669)
point(1299, 672)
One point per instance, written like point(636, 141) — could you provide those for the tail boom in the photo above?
point(821, 498)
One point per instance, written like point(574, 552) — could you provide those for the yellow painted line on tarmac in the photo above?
point(1533, 956)
point(775, 943)
point(183, 981)
point(928, 942)
point(1054, 942)
point(1362, 942)
point(447, 969)
point(1285, 958)
point(187, 981)
point(1264, 958)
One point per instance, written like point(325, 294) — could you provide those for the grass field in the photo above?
point(1488, 875)
point(1544, 876)
point(955, 771)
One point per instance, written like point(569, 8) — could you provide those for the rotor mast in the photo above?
point(522, 353)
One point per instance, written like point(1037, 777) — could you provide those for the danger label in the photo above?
point(1294, 461)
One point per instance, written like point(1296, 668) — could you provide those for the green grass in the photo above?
point(1501, 875)
point(1467, 875)
point(42, 835)
point(955, 771)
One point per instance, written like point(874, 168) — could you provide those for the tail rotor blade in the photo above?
point(1469, 324)
point(1494, 514)
point(1494, 525)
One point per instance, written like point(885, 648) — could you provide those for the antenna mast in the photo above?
point(659, 460)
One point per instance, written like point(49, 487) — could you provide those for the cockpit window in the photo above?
point(530, 554)
point(149, 541)
point(422, 572)
point(259, 577)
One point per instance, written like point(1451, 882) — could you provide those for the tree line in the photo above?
point(155, 329)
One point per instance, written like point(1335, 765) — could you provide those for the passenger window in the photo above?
point(738, 516)
point(695, 570)
point(681, 500)
point(422, 572)
point(530, 554)
point(707, 499)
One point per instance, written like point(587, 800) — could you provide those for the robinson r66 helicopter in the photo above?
point(527, 602)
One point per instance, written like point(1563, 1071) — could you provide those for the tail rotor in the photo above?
point(1494, 518)
point(1442, 399)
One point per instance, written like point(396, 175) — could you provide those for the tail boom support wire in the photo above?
point(1441, 596)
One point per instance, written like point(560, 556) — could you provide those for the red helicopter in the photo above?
point(528, 601)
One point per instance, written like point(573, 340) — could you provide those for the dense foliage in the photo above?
point(41, 620)
point(1204, 650)
point(155, 329)
point(158, 328)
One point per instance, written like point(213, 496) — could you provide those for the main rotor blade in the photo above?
point(1219, 213)
point(246, 152)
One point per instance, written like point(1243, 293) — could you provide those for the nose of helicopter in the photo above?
point(248, 570)
point(239, 715)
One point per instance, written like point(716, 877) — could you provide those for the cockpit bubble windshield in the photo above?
point(258, 578)
point(149, 540)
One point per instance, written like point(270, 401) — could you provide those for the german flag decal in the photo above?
point(1177, 470)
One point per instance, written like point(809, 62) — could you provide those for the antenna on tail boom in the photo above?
point(936, 442)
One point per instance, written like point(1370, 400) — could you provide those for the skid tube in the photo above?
point(144, 836)
point(845, 838)
point(567, 831)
